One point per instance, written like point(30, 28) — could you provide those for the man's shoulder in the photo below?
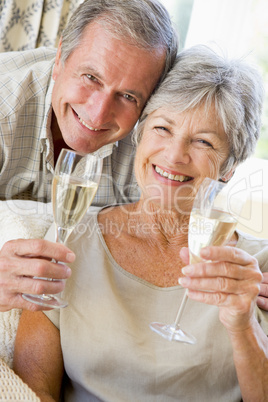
point(126, 146)
point(11, 62)
point(23, 76)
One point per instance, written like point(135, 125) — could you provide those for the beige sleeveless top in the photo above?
point(110, 353)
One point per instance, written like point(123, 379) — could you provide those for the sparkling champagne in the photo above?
point(71, 199)
point(214, 230)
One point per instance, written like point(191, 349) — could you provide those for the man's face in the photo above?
point(101, 89)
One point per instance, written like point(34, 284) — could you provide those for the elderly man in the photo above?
point(87, 96)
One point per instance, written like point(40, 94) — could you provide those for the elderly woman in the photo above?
point(202, 122)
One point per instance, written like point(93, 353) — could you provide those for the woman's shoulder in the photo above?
point(249, 241)
point(89, 227)
point(255, 246)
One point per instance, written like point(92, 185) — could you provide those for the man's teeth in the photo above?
point(86, 125)
point(170, 176)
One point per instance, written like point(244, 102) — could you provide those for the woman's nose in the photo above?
point(177, 152)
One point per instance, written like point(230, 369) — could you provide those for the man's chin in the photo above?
point(87, 147)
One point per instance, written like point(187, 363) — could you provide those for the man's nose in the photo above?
point(100, 108)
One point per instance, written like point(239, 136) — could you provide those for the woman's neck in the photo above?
point(164, 226)
point(151, 237)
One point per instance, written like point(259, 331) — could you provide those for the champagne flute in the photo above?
point(212, 222)
point(74, 186)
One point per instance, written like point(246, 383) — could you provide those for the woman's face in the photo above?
point(176, 152)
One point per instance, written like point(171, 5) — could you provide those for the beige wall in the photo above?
point(254, 175)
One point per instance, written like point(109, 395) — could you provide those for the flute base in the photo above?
point(50, 301)
point(172, 333)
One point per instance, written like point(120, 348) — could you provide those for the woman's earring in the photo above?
point(226, 178)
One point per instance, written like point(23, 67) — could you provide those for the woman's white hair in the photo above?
point(201, 76)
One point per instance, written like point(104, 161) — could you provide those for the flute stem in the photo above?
point(181, 309)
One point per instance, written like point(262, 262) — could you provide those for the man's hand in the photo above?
point(262, 300)
point(21, 261)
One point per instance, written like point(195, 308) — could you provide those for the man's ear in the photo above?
point(57, 64)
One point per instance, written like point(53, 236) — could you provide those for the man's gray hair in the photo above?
point(143, 23)
point(201, 76)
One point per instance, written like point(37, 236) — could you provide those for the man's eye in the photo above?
point(129, 97)
point(91, 77)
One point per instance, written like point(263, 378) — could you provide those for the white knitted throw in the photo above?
point(19, 219)
point(12, 388)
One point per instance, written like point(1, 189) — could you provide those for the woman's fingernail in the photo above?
point(183, 281)
point(260, 302)
point(204, 252)
point(70, 257)
point(187, 270)
point(68, 271)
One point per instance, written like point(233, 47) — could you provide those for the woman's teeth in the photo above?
point(170, 176)
point(86, 125)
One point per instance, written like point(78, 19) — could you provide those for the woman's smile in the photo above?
point(170, 176)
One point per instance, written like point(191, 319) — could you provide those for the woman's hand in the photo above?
point(230, 279)
point(21, 260)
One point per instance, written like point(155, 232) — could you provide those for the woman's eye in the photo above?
point(206, 143)
point(161, 131)
point(160, 128)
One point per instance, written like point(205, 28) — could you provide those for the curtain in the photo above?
point(221, 24)
point(27, 24)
